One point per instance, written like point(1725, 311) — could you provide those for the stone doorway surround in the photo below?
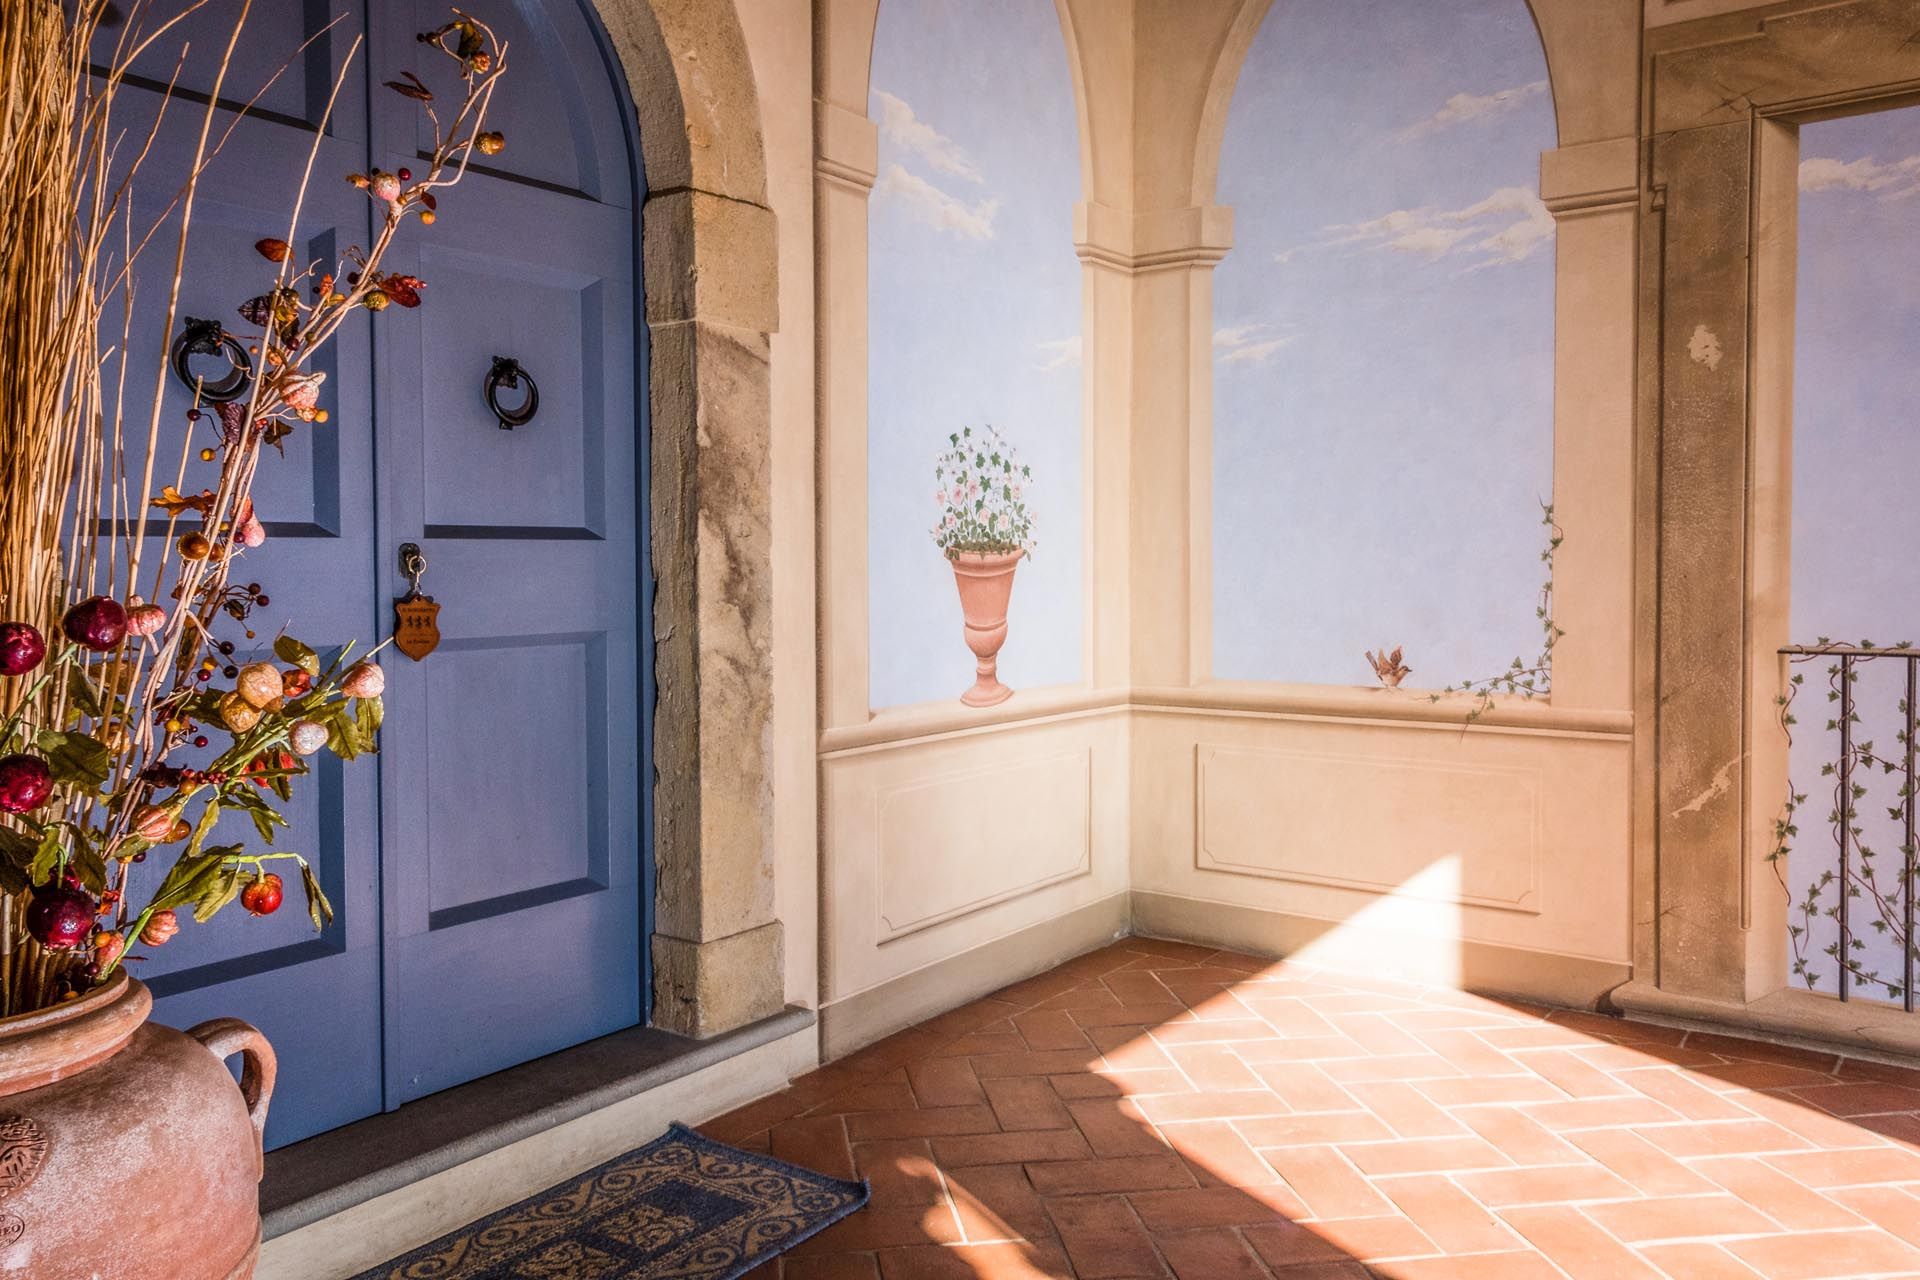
point(711, 271)
point(1725, 97)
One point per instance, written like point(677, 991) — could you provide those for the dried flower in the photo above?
point(160, 927)
point(364, 680)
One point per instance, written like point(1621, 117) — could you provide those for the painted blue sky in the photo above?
point(1383, 351)
point(1856, 451)
point(974, 317)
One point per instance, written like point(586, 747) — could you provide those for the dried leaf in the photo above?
point(404, 290)
point(174, 503)
point(412, 88)
point(273, 250)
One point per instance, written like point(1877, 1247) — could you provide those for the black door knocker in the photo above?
point(506, 372)
point(207, 338)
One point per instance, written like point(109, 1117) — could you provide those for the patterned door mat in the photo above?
point(683, 1207)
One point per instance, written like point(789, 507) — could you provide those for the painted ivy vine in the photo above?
point(1864, 880)
point(1527, 679)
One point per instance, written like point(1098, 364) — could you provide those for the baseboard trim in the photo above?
point(420, 1203)
point(1803, 1019)
point(1483, 967)
point(858, 1020)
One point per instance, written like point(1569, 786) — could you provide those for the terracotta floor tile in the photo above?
point(1109, 1083)
point(1214, 1068)
point(1175, 1107)
point(1861, 1099)
point(1010, 1148)
point(1822, 1169)
point(1210, 1255)
point(1519, 1138)
point(1424, 1155)
point(873, 1228)
point(832, 1266)
point(1027, 1102)
point(1217, 1153)
point(932, 1122)
point(1548, 1184)
point(1452, 1219)
point(1507, 1090)
point(972, 1261)
point(1521, 1265)
point(1210, 1031)
point(1773, 1193)
point(997, 1202)
point(1215, 1207)
point(1320, 1128)
point(1377, 1239)
point(1051, 1029)
point(1331, 1186)
point(1601, 1113)
point(1697, 1262)
point(1722, 1138)
point(1104, 1239)
point(1306, 1086)
point(819, 1143)
point(1650, 1170)
point(1127, 1173)
point(1411, 1113)
point(1287, 1247)
point(1572, 1074)
point(1117, 1014)
point(944, 1082)
point(1680, 1218)
point(989, 1066)
point(1128, 1048)
point(1817, 1255)
point(1889, 1208)
point(1116, 1127)
point(1685, 1095)
point(1575, 1244)
point(900, 1171)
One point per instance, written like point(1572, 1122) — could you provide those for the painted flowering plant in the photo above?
point(980, 488)
point(138, 704)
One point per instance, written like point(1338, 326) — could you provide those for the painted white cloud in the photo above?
point(1509, 224)
point(1248, 343)
point(930, 205)
point(1058, 354)
point(1824, 173)
point(1464, 108)
point(900, 126)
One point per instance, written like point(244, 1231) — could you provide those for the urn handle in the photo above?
point(228, 1036)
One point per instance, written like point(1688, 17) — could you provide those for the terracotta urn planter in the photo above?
point(986, 585)
point(126, 1151)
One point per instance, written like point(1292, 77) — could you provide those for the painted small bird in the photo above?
point(1388, 666)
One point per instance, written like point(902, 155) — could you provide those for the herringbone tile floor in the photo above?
point(1162, 1110)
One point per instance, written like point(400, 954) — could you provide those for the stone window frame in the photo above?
point(1726, 96)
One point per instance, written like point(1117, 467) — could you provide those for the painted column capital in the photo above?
point(1591, 176)
point(1152, 239)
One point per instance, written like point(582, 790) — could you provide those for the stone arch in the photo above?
point(710, 274)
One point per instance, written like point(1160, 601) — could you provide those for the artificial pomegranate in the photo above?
point(307, 737)
point(263, 896)
point(96, 623)
point(152, 823)
point(21, 648)
point(160, 926)
point(145, 619)
point(25, 783)
point(60, 917)
point(364, 680)
point(259, 683)
point(107, 948)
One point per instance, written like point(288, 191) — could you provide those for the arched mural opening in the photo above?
point(974, 409)
point(1383, 348)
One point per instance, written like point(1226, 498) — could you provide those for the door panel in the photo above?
point(315, 995)
point(513, 894)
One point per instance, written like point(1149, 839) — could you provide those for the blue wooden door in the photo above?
point(511, 869)
point(487, 869)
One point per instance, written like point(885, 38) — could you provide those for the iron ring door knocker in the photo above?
point(207, 338)
point(506, 372)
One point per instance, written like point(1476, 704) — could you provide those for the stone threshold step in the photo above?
point(334, 1171)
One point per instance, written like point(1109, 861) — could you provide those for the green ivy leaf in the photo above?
point(291, 651)
point(75, 758)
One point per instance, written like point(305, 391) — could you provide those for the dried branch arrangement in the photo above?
point(139, 701)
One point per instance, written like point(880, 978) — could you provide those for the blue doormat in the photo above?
point(682, 1207)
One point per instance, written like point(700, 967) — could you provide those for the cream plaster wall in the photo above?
point(947, 832)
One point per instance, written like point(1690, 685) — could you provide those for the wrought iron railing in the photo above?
point(1863, 906)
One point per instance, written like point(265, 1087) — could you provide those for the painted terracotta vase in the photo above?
point(125, 1148)
point(986, 585)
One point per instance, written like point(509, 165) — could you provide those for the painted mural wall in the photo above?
point(974, 408)
point(1383, 356)
point(1856, 454)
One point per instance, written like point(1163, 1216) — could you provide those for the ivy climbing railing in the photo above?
point(1862, 896)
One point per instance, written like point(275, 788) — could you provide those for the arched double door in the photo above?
point(487, 866)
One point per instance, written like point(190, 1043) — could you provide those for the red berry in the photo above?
point(25, 783)
point(96, 623)
point(405, 174)
point(263, 896)
point(21, 648)
point(60, 918)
